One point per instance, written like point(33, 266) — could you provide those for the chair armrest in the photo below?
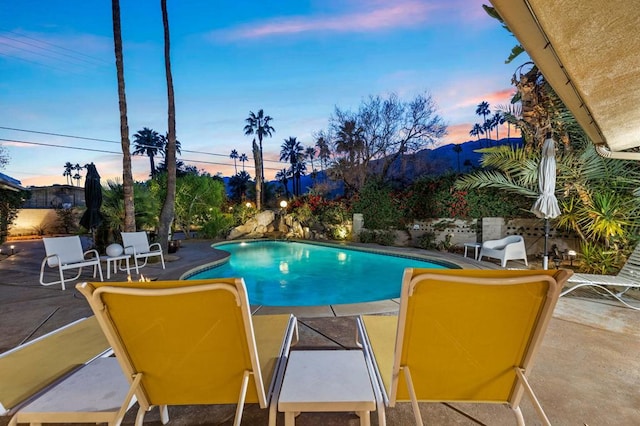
point(155, 244)
point(95, 253)
point(46, 260)
point(133, 250)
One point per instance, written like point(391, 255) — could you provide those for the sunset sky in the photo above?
point(297, 60)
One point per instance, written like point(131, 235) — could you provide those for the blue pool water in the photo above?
point(281, 273)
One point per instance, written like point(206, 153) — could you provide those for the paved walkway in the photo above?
point(587, 371)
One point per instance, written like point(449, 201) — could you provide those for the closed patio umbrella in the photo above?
point(546, 206)
point(92, 218)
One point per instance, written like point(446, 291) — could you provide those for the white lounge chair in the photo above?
point(66, 253)
point(504, 249)
point(137, 245)
point(628, 277)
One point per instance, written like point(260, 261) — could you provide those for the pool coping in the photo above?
point(387, 306)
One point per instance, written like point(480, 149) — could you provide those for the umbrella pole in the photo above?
point(545, 258)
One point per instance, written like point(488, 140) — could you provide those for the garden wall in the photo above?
point(34, 222)
point(493, 228)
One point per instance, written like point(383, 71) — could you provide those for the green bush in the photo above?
point(217, 226)
point(379, 208)
point(427, 241)
point(382, 237)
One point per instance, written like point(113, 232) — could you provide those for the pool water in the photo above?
point(281, 273)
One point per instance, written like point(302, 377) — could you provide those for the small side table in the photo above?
point(322, 381)
point(116, 261)
point(475, 246)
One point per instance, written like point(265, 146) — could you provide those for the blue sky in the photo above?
point(297, 60)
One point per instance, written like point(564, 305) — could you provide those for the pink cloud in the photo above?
point(380, 16)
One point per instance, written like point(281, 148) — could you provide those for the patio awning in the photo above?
point(7, 182)
point(589, 51)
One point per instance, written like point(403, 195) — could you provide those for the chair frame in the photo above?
point(521, 370)
point(235, 286)
point(628, 277)
point(137, 245)
point(66, 253)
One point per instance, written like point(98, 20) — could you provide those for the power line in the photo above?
point(114, 152)
point(118, 142)
point(56, 54)
point(56, 46)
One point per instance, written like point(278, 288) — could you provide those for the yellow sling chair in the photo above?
point(462, 336)
point(193, 342)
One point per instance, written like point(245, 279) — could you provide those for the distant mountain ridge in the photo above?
point(429, 161)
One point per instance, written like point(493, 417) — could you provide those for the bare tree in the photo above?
point(383, 130)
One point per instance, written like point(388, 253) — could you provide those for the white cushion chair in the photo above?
point(66, 253)
point(504, 249)
point(137, 245)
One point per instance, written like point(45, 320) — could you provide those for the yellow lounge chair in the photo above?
point(462, 336)
point(193, 342)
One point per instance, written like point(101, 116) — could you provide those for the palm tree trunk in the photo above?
point(167, 213)
point(127, 176)
point(257, 156)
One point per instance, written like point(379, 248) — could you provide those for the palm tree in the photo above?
point(68, 167)
point(458, 149)
point(148, 142)
point(283, 177)
point(324, 153)
point(483, 110)
point(77, 175)
point(129, 224)
point(476, 131)
point(293, 152)
point(349, 140)
point(234, 157)
point(486, 129)
point(258, 124)
point(498, 120)
point(310, 153)
point(171, 147)
point(243, 157)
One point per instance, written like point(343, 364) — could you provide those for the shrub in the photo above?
point(218, 225)
point(427, 241)
point(378, 207)
point(382, 237)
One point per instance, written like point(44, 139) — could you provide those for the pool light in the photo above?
point(283, 204)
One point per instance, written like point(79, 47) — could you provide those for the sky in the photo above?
point(296, 60)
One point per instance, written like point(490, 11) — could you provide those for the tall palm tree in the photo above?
point(310, 153)
point(293, 152)
point(77, 175)
point(258, 124)
point(283, 177)
point(243, 157)
point(498, 120)
point(234, 156)
point(127, 175)
point(68, 167)
point(167, 214)
point(148, 142)
point(350, 140)
point(324, 152)
point(458, 149)
point(486, 129)
point(476, 131)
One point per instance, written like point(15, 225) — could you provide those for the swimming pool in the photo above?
point(283, 273)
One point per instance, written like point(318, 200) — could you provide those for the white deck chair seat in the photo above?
point(66, 253)
point(137, 245)
point(504, 249)
point(627, 278)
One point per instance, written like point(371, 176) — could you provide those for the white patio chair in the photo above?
point(66, 253)
point(628, 277)
point(137, 245)
point(504, 249)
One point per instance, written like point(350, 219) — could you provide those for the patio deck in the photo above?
point(586, 372)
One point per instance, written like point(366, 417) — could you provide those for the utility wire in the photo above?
point(118, 142)
point(115, 152)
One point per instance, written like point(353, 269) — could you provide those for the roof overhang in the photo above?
point(589, 51)
point(7, 182)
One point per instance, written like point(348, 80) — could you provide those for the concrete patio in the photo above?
point(587, 372)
